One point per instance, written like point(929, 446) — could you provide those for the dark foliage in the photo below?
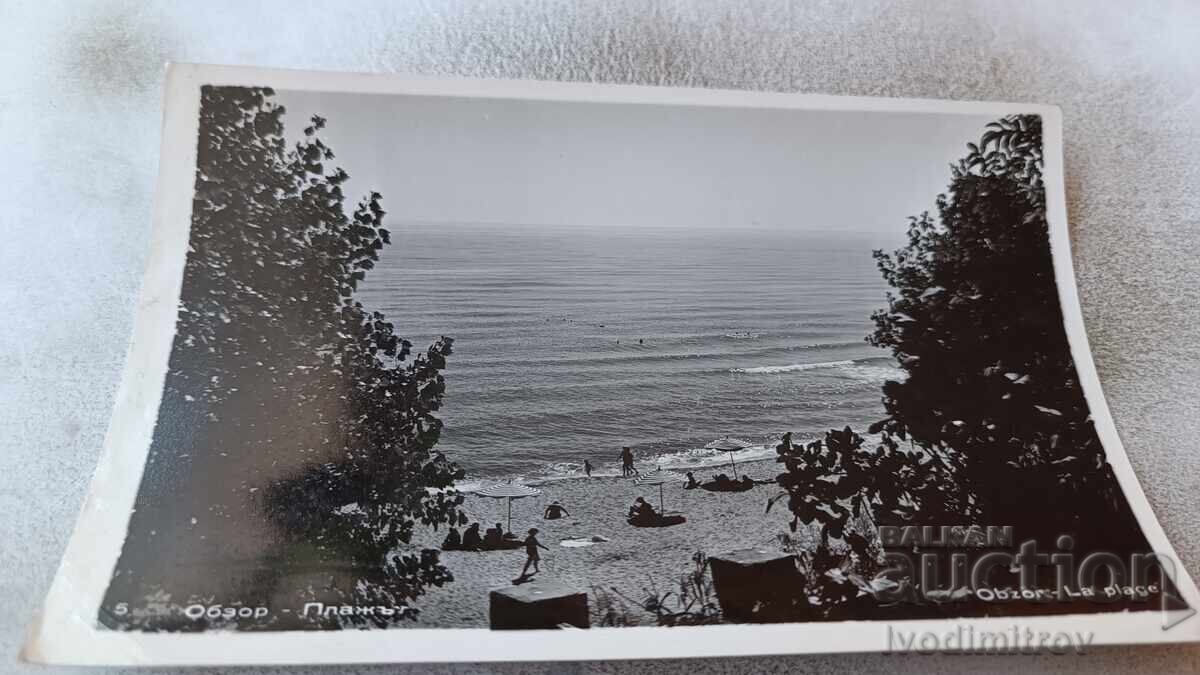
point(276, 361)
point(835, 482)
point(838, 486)
point(989, 424)
point(693, 603)
point(976, 325)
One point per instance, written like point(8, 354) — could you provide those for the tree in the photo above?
point(326, 416)
point(975, 323)
point(989, 424)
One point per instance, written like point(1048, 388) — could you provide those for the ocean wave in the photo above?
point(552, 472)
point(770, 370)
point(874, 373)
point(875, 368)
point(679, 461)
point(705, 458)
point(640, 355)
point(749, 460)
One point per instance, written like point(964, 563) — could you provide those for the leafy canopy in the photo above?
point(310, 407)
point(990, 407)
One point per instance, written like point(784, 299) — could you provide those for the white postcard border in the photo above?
point(67, 632)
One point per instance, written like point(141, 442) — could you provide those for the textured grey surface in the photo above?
point(80, 104)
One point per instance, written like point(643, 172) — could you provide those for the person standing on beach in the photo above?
point(531, 552)
point(627, 462)
point(587, 468)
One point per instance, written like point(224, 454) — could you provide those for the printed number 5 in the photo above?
point(121, 609)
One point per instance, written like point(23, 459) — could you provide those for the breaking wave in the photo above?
point(770, 370)
point(678, 460)
point(873, 368)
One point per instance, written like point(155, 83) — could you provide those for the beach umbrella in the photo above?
point(659, 478)
point(730, 445)
point(509, 491)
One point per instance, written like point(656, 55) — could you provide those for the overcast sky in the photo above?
point(452, 160)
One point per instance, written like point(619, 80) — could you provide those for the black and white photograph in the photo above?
point(562, 363)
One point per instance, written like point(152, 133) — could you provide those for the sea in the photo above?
point(571, 343)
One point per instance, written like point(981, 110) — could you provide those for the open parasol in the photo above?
point(730, 445)
point(509, 491)
point(659, 478)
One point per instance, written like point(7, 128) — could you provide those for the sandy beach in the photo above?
point(632, 560)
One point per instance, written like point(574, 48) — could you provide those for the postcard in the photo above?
point(470, 370)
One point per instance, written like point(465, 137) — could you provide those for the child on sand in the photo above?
point(531, 551)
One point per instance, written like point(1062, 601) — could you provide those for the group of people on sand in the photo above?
point(720, 481)
point(471, 540)
point(496, 538)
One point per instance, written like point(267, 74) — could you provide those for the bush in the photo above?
point(692, 603)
